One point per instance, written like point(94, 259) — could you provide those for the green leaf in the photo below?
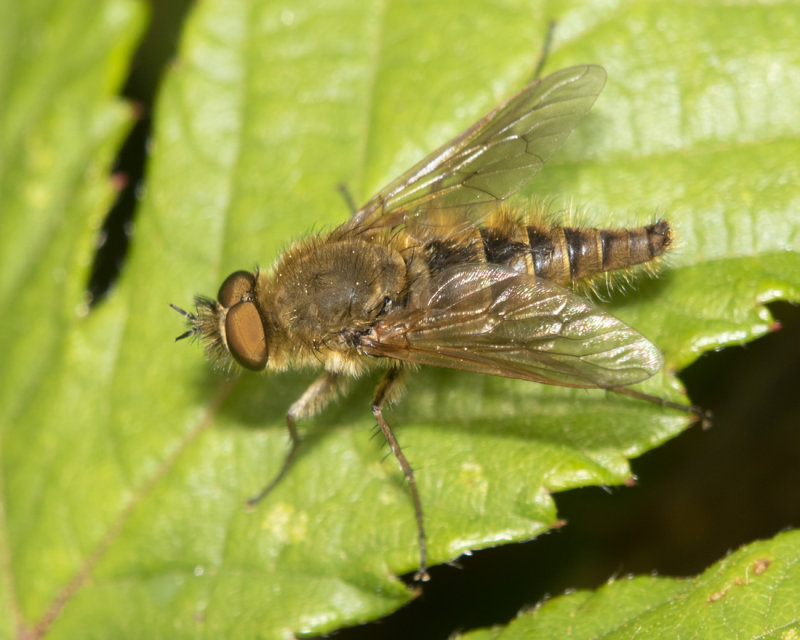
point(61, 122)
point(753, 593)
point(126, 460)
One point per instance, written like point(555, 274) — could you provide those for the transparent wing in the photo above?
point(493, 158)
point(491, 320)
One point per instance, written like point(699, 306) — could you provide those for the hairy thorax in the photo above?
point(325, 298)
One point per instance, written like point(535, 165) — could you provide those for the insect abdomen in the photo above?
point(566, 254)
point(558, 254)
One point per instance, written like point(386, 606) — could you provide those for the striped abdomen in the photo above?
point(557, 254)
point(566, 254)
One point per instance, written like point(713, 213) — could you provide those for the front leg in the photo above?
point(314, 399)
point(384, 388)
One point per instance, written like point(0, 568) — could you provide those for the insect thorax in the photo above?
point(328, 292)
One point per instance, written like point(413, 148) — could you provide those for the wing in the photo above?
point(492, 320)
point(493, 158)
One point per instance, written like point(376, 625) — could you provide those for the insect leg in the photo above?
point(383, 389)
point(348, 197)
point(548, 41)
point(703, 416)
point(314, 399)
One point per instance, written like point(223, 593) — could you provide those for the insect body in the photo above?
point(435, 270)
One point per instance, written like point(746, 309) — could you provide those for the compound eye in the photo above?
point(235, 287)
point(245, 336)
